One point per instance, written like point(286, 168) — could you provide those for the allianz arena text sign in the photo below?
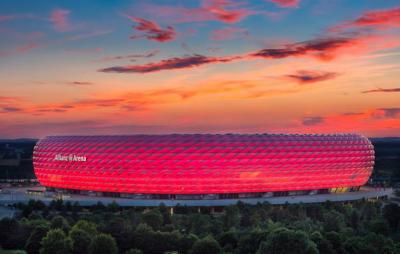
point(69, 157)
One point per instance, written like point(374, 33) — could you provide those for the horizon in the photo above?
point(207, 66)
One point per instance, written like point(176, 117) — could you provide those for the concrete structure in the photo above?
point(15, 195)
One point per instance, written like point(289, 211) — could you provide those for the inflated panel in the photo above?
point(203, 163)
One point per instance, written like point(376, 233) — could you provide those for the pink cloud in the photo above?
point(84, 51)
point(17, 16)
point(19, 50)
point(324, 49)
point(6, 17)
point(228, 33)
point(377, 18)
point(286, 3)
point(60, 21)
point(210, 10)
point(151, 30)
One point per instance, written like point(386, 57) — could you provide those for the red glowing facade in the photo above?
point(203, 163)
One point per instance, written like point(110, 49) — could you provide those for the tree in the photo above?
point(56, 242)
point(379, 226)
point(80, 241)
point(33, 243)
point(323, 245)
point(283, 240)
point(134, 251)
point(86, 226)
point(186, 243)
point(391, 213)
point(231, 217)
point(121, 230)
point(335, 241)
point(60, 222)
point(165, 214)
point(357, 245)
point(113, 207)
point(103, 244)
point(153, 218)
point(143, 237)
point(228, 238)
point(206, 245)
point(333, 221)
point(250, 242)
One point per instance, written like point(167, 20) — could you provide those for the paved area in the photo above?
point(15, 195)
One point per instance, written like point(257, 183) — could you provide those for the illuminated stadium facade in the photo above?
point(204, 166)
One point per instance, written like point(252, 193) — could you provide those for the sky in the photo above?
point(210, 66)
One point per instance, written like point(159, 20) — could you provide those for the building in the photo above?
point(204, 166)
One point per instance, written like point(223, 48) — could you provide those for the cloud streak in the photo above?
point(383, 90)
point(151, 30)
point(228, 33)
point(376, 19)
point(286, 3)
point(311, 121)
point(129, 57)
point(171, 64)
point(19, 50)
point(321, 48)
point(225, 11)
point(306, 77)
point(79, 83)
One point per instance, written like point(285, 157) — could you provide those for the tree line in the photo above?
point(360, 227)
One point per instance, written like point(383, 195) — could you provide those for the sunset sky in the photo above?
point(211, 66)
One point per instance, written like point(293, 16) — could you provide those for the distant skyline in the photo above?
point(210, 66)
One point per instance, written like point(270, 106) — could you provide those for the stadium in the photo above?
point(204, 166)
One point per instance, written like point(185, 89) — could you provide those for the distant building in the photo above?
point(204, 166)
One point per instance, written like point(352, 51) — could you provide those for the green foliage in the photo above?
point(329, 228)
point(333, 221)
point(153, 218)
point(206, 245)
point(80, 240)
point(103, 244)
point(60, 222)
point(86, 226)
point(134, 251)
point(56, 242)
point(391, 213)
point(379, 226)
point(231, 217)
point(283, 241)
point(33, 243)
point(186, 243)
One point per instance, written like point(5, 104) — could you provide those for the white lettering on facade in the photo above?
point(69, 157)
